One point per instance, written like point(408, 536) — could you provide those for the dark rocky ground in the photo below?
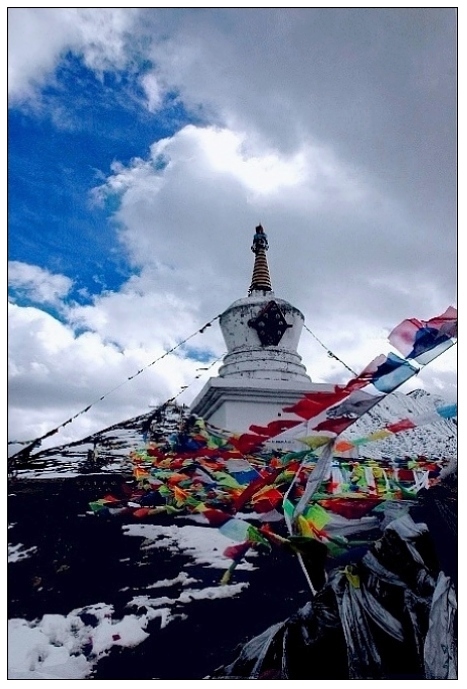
point(81, 559)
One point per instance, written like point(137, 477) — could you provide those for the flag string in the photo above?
point(185, 387)
point(32, 444)
point(328, 351)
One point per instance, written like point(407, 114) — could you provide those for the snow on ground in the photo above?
point(181, 578)
point(204, 545)
point(19, 552)
point(65, 647)
point(153, 605)
point(68, 647)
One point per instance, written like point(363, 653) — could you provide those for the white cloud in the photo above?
point(190, 223)
point(349, 79)
point(99, 35)
point(37, 284)
point(211, 192)
point(103, 35)
point(154, 91)
point(46, 34)
point(226, 152)
point(54, 374)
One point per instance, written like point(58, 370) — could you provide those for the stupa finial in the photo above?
point(261, 279)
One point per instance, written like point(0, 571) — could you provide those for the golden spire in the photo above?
point(261, 279)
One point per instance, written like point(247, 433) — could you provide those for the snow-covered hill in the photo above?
point(115, 443)
point(113, 446)
point(430, 440)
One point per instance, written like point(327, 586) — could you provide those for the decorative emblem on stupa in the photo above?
point(270, 324)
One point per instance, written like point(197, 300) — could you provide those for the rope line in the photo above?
point(328, 351)
point(32, 444)
point(185, 387)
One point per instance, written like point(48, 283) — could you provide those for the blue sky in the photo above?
point(58, 154)
point(144, 146)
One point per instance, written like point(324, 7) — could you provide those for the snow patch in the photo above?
point(204, 545)
point(67, 647)
point(19, 552)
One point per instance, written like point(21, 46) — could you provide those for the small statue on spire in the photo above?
point(260, 240)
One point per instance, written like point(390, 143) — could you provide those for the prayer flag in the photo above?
point(423, 341)
point(314, 403)
point(402, 425)
point(391, 371)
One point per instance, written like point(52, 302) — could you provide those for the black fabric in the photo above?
point(369, 621)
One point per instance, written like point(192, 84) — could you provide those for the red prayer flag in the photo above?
point(274, 427)
point(313, 403)
point(216, 517)
point(350, 508)
point(248, 442)
point(403, 425)
point(236, 552)
point(336, 426)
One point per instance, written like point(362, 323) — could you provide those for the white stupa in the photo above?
point(262, 371)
